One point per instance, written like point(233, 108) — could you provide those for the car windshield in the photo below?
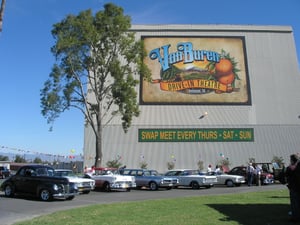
point(45, 172)
point(106, 172)
point(65, 173)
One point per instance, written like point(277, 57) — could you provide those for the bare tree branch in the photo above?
point(2, 13)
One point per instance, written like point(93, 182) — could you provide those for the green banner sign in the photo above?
point(196, 135)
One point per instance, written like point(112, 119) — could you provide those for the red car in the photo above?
point(265, 177)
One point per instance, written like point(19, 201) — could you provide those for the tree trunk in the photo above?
point(98, 157)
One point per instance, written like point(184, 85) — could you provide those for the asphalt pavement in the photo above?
point(23, 207)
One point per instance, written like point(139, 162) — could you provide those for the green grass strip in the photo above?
point(259, 208)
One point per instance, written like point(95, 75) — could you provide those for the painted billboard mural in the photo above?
point(196, 70)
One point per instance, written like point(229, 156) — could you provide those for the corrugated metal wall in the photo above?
point(274, 82)
point(269, 141)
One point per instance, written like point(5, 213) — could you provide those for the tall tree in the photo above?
point(2, 7)
point(97, 59)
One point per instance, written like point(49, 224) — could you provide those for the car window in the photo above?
point(147, 173)
point(22, 172)
point(64, 173)
point(41, 172)
point(126, 172)
point(140, 173)
point(196, 172)
point(154, 173)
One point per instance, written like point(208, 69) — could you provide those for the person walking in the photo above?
point(293, 183)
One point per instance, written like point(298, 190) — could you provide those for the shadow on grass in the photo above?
point(250, 214)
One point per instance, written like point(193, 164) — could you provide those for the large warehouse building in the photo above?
point(217, 92)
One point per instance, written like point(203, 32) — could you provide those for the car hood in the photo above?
point(79, 179)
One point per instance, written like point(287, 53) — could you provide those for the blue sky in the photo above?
point(26, 60)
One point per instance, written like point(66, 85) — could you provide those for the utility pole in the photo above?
point(2, 13)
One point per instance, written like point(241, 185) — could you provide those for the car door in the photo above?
point(30, 181)
point(23, 182)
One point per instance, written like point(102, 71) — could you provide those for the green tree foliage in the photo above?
point(170, 165)
point(4, 158)
point(200, 165)
point(143, 165)
point(96, 56)
point(37, 160)
point(224, 162)
point(115, 163)
point(20, 159)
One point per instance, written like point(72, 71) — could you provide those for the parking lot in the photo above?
point(22, 207)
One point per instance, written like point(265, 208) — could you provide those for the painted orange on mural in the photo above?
point(226, 79)
point(224, 67)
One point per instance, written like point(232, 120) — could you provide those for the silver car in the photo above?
point(150, 179)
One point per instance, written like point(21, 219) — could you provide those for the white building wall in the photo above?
point(274, 82)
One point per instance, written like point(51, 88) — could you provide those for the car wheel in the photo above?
point(45, 195)
point(128, 189)
point(229, 183)
point(153, 186)
point(195, 185)
point(106, 187)
point(85, 192)
point(70, 198)
point(9, 190)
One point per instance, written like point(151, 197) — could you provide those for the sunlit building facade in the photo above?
point(217, 92)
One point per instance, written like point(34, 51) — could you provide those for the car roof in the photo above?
point(183, 170)
point(36, 166)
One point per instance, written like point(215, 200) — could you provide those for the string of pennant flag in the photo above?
point(24, 151)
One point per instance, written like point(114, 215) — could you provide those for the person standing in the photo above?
point(218, 169)
point(209, 168)
point(293, 183)
point(250, 174)
point(257, 172)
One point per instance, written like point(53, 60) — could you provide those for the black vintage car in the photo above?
point(39, 181)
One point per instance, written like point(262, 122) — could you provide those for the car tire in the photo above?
point(229, 183)
point(106, 187)
point(85, 192)
point(195, 185)
point(9, 190)
point(153, 186)
point(70, 198)
point(45, 195)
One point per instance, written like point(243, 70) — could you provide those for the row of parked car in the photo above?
point(47, 183)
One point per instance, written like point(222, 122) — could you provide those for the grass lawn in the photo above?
point(259, 208)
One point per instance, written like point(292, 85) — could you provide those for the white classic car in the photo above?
point(85, 185)
point(109, 179)
point(192, 178)
point(227, 179)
